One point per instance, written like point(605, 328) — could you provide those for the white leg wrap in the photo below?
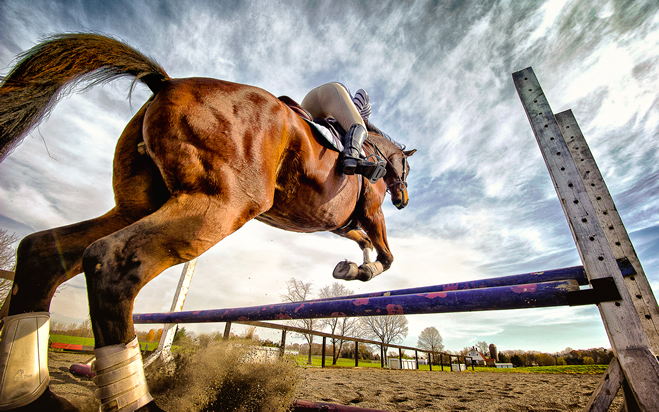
point(120, 378)
point(375, 268)
point(23, 359)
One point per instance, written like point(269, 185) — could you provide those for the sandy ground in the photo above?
point(397, 390)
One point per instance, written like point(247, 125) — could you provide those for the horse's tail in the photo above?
point(43, 73)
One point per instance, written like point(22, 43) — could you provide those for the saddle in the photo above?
point(329, 133)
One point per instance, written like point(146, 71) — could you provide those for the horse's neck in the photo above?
point(375, 143)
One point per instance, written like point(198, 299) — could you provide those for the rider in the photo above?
point(334, 100)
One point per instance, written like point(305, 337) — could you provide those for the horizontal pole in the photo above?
point(534, 295)
point(575, 272)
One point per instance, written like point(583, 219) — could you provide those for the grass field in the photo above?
point(76, 340)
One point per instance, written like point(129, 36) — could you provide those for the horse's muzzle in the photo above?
point(401, 200)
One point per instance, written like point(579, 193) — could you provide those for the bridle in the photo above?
point(400, 181)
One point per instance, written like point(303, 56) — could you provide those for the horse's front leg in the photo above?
point(375, 237)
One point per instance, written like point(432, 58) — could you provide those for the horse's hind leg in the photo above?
point(48, 258)
point(118, 266)
point(45, 260)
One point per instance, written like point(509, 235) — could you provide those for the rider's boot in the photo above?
point(24, 374)
point(351, 154)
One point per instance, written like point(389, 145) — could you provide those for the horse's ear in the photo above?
point(409, 153)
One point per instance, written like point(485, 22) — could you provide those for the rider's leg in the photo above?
point(333, 100)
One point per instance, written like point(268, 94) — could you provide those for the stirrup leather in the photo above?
point(23, 359)
point(120, 378)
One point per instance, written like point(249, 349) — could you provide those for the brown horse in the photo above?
point(198, 160)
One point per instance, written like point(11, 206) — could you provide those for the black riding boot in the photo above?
point(352, 148)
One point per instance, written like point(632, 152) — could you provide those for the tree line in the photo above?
point(568, 356)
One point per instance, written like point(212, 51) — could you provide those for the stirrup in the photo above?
point(120, 378)
point(373, 171)
point(23, 359)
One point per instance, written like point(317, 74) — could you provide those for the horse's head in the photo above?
point(398, 167)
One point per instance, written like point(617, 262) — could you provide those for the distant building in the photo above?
point(480, 359)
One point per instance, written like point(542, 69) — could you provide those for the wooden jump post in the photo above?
point(631, 322)
point(618, 285)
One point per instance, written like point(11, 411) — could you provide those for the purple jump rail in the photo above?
point(534, 295)
point(575, 272)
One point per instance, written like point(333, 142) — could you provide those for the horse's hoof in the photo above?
point(364, 275)
point(48, 402)
point(346, 270)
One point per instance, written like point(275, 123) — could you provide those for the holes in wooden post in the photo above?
point(592, 238)
point(600, 258)
point(617, 303)
point(584, 220)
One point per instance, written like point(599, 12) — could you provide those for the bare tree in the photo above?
point(7, 249)
point(483, 347)
point(387, 329)
point(338, 326)
point(431, 340)
point(7, 261)
point(296, 291)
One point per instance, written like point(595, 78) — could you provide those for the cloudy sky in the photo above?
point(439, 76)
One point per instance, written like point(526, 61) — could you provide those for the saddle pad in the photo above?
point(325, 135)
point(322, 132)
